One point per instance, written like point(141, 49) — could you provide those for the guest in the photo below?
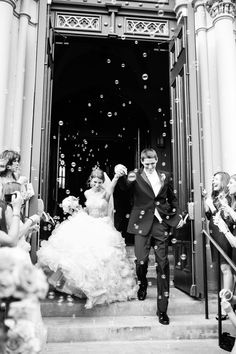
point(212, 207)
point(9, 235)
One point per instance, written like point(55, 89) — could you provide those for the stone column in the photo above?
point(20, 74)
point(205, 97)
point(222, 14)
point(6, 16)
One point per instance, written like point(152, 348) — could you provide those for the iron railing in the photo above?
point(233, 266)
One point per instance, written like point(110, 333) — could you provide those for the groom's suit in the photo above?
point(155, 210)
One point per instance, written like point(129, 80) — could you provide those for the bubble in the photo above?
point(160, 13)
point(123, 37)
point(173, 240)
point(123, 104)
point(161, 88)
point(163, 276)
point(145, 77)
point(135, 42)
point(149, 283)
point(62, 162)
point(115, 114)
point(123, 65)
point(67, 191)
point(72, 169)
point(164, 134)
point(145, 55)
point(145, 87)
point(183, 257)
point(60, 122)
point(130, 102)
point(127, 216)
point(73, 164)
point(54, 137)
point(159, 110)
point(101, 96)
point(163, 163)
point(85, 119)
point(62, 156)
point(117, 82)
point(171, 121)
point(108, 61)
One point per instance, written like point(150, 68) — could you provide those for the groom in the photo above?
point(154, 211)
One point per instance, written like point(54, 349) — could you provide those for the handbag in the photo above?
point(227, 341)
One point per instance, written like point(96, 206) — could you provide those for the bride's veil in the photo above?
point(107, 186)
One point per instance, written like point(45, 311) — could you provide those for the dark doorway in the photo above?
point(110, 100)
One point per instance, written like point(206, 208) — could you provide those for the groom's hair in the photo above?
point(148, 153)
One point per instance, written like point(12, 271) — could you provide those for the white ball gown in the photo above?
point(87, 256)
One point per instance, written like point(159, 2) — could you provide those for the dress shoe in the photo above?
point(163, 318)
point(142, 293)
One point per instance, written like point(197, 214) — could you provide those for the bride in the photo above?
point(86, 255)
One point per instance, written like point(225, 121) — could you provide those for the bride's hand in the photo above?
point(121, 170)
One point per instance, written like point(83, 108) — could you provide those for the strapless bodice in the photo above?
point(97, 206)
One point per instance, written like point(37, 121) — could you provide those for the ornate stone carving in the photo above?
point(146, 27)
point(85, 23)
point(220, 7)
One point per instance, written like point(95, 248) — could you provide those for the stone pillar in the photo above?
point(205, 97)
point(20, 74)
point(6, 16)
point(222, 14)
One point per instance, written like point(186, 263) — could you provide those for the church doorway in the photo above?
point(110, 99)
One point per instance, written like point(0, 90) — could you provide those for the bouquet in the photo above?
point(22, 285)
point(70, 205)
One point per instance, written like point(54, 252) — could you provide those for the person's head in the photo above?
point(13, 159)
point(220, 183)
point(96, 178)
point(149, 159)
point(232, 185)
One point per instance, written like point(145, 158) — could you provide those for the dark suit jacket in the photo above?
point(145, 202)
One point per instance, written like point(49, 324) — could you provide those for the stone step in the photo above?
point(203, 346)
point(179, 303)
point(131, 328)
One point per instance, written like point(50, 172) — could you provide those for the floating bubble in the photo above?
point(117, 82)
point(130, 102)
point(160, 13)
point(123, 65)
point(171, 121)
point(101, 96)
point(173, 240)
point(163, 163)
point(62, 162)
point(73, 164)
point(115, 113)
point(163, 134)
point(62, 156)
point(85, 119)
point(108, 61)
point(72, 169)
point(159, 110)
point(145, 87)
point(183, 257)
point(123, 37)
point(135, 42)
point(60, 122)
point(145, 76)
point(54, 137)
point(67, 191)
point(145, 55)
point(123, 104)
point(163, 276)
point(127, 216)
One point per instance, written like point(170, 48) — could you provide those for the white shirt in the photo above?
point(156, 186)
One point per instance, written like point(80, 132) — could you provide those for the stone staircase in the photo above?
point(131, 327)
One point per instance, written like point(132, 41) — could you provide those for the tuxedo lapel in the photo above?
point(144, 176)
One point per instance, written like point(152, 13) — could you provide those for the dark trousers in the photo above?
point(158, 239)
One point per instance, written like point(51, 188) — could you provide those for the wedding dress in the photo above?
point(87, 257)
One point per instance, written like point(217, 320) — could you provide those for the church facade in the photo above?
point(93, 81)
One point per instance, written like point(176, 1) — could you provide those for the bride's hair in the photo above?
point(96, 173)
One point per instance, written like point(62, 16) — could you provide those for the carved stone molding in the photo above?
point(221, 7)
point(145, 27)
point(78, 22)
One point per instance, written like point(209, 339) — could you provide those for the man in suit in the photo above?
point(155, 210)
